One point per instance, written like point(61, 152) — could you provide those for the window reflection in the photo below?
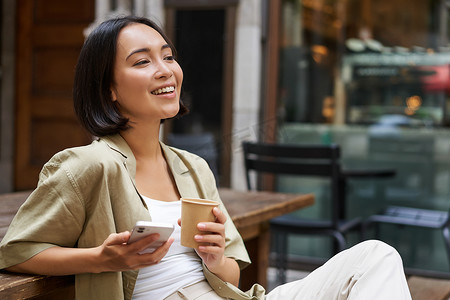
point(368, 58)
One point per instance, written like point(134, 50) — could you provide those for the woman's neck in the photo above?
point(153, 176)
point(143, 141)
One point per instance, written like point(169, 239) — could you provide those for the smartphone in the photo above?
point(144, 228)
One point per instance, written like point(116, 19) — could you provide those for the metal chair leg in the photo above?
point(446, 234)
point(279, 238)
point(282, 257)
point(377, 230)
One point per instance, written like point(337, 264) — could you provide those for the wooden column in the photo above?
point(269, 119)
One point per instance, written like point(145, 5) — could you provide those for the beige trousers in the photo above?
point(368, 270)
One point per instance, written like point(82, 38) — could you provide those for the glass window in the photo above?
point(373, 77)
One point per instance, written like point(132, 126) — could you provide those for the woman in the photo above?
point(77, 220)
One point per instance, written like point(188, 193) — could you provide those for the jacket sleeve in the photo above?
point(53, 215)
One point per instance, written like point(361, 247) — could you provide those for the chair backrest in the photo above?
point(302, 160)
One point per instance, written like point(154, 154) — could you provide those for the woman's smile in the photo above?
point(164, 90)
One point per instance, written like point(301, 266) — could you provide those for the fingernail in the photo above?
point(201, 226)
point(198, 237)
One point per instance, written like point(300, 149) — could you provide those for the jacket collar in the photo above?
point(118, 144)
point(182, 171)
point(175, 160)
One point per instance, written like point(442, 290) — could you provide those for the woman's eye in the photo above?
point(170, 57)
point(141, 62)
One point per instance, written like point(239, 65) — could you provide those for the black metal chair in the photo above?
point(302, 160)
point(412, 217)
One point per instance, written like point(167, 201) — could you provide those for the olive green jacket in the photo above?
point(86, 193)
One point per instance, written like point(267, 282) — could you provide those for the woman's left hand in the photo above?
point(212, 241)
point(213, 248)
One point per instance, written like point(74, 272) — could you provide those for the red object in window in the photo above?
point(435, 78)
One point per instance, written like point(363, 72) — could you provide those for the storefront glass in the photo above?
point(374, 77)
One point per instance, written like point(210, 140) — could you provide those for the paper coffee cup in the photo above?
point(194, 211)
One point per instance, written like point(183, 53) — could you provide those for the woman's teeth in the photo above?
point(168, 89)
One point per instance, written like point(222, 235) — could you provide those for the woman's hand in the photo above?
point(212, 241)
point(116, 255)
point(213, 248)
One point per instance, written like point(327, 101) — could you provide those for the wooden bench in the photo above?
point(23, 286)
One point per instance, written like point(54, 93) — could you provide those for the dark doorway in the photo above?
point(199, 39)
point(199, 42)
point(203, 33)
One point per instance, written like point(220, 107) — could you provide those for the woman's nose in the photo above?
point(163, 70)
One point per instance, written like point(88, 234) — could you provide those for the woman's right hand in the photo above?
point(112, 256)
point(116, 255)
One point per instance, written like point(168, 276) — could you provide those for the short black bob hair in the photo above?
point(94, 75)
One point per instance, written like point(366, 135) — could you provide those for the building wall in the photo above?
point(247, 79)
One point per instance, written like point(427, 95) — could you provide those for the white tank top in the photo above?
point(180, 267)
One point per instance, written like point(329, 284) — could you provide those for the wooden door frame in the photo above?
point(230, 8)
point(270, 79)
point(7, 53)
point(269, 124)
point(22, 105)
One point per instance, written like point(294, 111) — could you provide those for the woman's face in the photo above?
point(147, 79)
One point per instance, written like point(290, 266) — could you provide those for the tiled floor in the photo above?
point(429, 289)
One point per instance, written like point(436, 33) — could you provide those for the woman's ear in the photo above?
point(113, 95)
